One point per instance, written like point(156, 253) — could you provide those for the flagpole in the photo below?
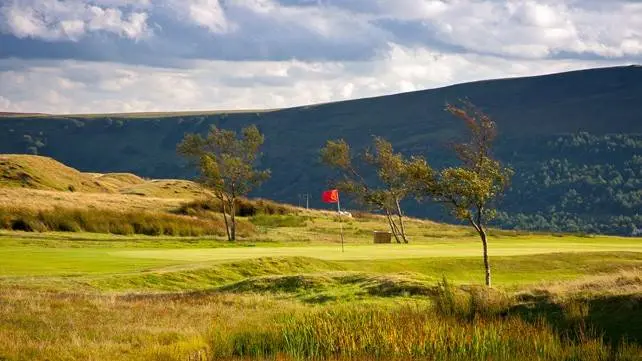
point(340, 221)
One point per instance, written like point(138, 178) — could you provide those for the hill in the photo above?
point(44, 173)
point(574, 139)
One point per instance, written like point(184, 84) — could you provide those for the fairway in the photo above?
point(77, 258)
point(377, 252)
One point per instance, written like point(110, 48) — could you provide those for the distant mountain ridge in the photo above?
point(573, 138)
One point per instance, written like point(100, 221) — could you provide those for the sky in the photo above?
point(97, 56)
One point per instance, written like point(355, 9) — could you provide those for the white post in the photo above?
point(340, 222)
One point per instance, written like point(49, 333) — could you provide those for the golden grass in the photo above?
point(623, 282)
point(166, 188)
point(77, 326)
point(39, 325)
point(117, 181)
point(43, 173)
point(30, 171)
point(43, 199)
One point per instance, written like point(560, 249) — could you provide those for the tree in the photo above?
point(391, 170)
point(471, 189)
point(227, 165)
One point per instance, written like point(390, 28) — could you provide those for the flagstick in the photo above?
point(340, 223)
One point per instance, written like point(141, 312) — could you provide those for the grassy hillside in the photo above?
point(44, 173)
point(574, 140)
point(35, 172)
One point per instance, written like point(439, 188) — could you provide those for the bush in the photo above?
point(244, 208)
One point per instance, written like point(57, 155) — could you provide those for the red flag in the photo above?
point(331, 196)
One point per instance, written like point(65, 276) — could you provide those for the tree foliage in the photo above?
point(470, 190)
point(385, 193)
point(227, 165)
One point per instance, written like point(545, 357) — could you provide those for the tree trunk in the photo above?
point(401, 226)
point(482, 235)
point(227, 227)
point(233, 216)
point(393, 227)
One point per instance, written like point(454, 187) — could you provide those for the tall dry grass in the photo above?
point(43, 199)
point(457, 326)
point(38, 325)
point(244, 207)
point(114, 222)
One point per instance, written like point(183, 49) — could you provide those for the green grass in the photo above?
point(36, 261)
point(22, 251)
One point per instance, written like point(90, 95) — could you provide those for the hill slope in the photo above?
point(575, 140)
point(44, 173)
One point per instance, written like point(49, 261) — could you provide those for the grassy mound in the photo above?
point(43, 173)
point(30, 171)
point(166, 188)
point(115, 182)
point(238, 276)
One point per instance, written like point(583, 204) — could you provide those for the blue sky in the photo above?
point(77, 56)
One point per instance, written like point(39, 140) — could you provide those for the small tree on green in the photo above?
point(391, 170)
point(227, 166)
point(471, 189)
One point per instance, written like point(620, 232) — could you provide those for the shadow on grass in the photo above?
point(616, 318)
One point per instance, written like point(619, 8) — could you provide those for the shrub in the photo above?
point(244, 208)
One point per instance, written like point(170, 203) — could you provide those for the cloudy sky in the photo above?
point(79, 56)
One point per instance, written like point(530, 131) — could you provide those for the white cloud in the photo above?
point(207, 85)
point(530, 28)
point(208, 14)
point(70, 20)
point(291, 52)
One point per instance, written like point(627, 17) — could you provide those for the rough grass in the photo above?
point(389, 332)
point(279, 221)
point(114, 222)
point(166, 188)
point(42, 199)
point(450, 324)
point(244, 208)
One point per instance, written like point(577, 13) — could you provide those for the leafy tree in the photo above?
point(469, 190)
point(227, 165)
point(385, 195)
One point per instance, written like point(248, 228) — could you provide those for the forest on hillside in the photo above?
point(576, 183)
